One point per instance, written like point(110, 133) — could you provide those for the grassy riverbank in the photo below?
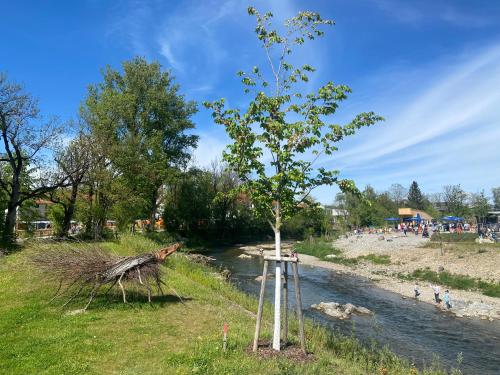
point(325, 250)
point(163, 338)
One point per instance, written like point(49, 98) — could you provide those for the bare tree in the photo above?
point(24, 138)
point(398, 193)
point(74, 162)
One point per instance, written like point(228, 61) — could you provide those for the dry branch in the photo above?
point(80, 268)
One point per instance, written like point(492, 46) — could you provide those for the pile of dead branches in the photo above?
point(84, 268)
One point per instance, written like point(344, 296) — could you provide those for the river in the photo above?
point(412, 329)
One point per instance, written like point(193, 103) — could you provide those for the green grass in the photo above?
point(454, 237)
point(320, 249)
point(376, 259)
point(166, 337)
point(455, 281)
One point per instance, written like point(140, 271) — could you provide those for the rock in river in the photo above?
point(339, 311)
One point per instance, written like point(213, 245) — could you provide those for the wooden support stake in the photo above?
point(261, 306)
point(299, 306)
point(285, 302)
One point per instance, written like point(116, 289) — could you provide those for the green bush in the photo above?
point(317, 248)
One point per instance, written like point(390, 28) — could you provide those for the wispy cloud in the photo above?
point(419, 12)
point(466, 95)
point(445, 133)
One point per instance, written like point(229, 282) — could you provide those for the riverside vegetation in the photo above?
point(324, 250)
point(164, 337)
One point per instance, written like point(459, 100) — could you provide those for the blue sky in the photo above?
point(431, 68)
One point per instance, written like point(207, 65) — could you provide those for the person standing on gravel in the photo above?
point(404, 229)
point(446, 299)
point(436, 290)
point(417, 290)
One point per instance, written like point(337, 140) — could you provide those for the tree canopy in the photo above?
point(146, 125)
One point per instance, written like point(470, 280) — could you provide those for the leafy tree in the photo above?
point(282, 122)
point(480, 206)
point(310, 219)
point(455, 200)
point(415, 197)
point(145, 121)
point(24, 138)
point(496, 197)
point(224, 203)
point(431, 209)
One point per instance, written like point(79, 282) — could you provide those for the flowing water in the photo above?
point(416, 330)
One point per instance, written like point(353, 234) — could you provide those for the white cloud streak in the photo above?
point(447, 133)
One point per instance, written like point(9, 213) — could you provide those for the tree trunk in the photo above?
point(277, 289)
point(100, 220)
point(10, 224)
point(69, 210)
point(152, 213)
point(10, 217)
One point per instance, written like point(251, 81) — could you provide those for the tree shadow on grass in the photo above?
point(134, 300)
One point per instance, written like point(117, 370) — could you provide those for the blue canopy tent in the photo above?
point(417, 218)
point(453, 218)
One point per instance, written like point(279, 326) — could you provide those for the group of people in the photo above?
point(415, 228)
point(436, 290)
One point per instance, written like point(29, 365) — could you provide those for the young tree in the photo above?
point(290, 127)
point(145, 122)
point(23, 138)
point(415, 197)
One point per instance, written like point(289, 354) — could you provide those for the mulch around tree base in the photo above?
point(289, 351)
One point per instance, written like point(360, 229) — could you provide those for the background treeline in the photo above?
point(127, 157)
point(371, 208)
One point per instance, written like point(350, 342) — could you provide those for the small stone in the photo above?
point(244, 256)
point(440, 269)
point(330, 256)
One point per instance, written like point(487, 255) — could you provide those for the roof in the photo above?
point(405, 211)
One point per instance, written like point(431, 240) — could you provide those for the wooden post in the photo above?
point(299, 306)
point(285, 302)
point(261, 306)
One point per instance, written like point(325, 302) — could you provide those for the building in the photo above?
point(335, 213)
point(408, 213)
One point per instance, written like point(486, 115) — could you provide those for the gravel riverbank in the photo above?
point(408, 254)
